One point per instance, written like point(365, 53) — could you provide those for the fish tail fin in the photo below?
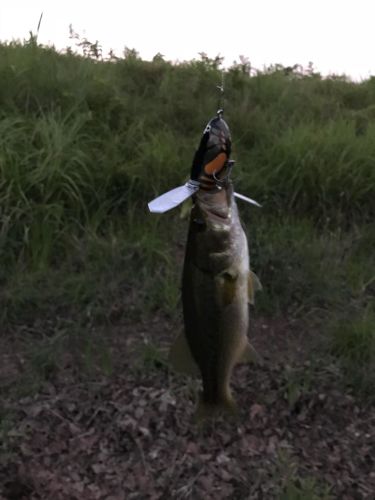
point(225, 405)
point(180, 357)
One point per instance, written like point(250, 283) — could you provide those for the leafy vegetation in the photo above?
point(86, 142)
point(353, 341)
point(297, 488)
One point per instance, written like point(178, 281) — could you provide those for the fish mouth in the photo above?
point(214, 204)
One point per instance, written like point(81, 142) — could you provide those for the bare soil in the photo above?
point(128, 432)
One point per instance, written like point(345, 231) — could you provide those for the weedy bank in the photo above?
point(85, 142)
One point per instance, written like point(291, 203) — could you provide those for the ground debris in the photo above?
point(131, 435)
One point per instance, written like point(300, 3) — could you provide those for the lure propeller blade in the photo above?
point(178, 195)
point(249, 200)
point(173, 198)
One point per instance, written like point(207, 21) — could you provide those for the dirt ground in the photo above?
point(128, 432)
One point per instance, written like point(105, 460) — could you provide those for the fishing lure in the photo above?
point(211, 160)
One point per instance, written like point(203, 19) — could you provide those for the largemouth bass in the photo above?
point(217, 286)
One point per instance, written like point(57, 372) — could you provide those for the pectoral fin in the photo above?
point(250, 355)
point(254, 285)
point(228, 286)
point(180, 357)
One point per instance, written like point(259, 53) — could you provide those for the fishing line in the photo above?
point(220, 88)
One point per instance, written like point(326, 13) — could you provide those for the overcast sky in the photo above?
point(336, 35)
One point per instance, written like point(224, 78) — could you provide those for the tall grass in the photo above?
point(321, 170)
point(83, 140)
point(352, 340)
point(85, 143)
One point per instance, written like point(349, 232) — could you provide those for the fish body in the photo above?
point(216, 284)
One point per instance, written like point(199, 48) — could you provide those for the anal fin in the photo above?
point(250, 355)
point(228, 286)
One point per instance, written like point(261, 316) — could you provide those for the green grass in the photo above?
point(304, 489)
point(352, 340)
point(131, 270)
point(295, 487)
point(151, 357)
point(81, 157)
point(320, 169)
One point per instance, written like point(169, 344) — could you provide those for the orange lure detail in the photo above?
point(216, 164)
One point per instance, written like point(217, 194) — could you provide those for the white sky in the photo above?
point(336, 35)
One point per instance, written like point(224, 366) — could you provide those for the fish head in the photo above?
point(216, 237)
point(211, 222)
